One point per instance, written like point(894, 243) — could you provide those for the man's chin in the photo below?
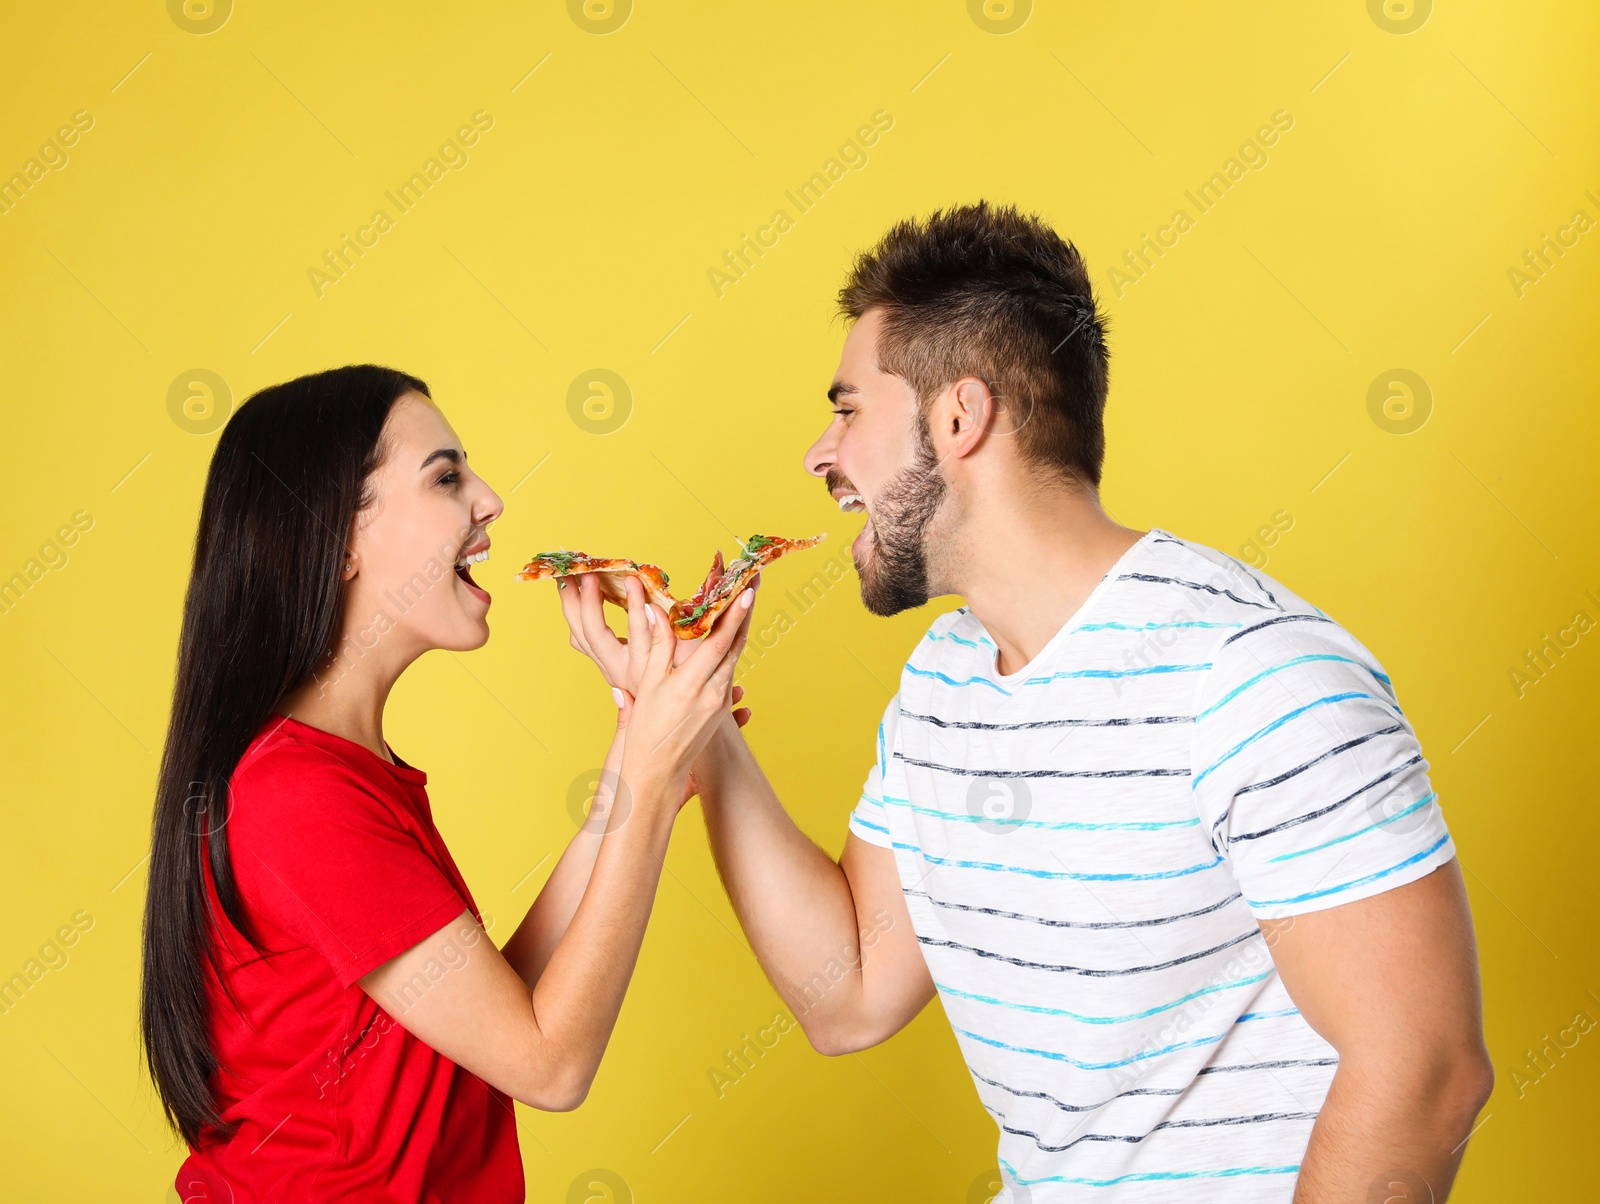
point(888, 598)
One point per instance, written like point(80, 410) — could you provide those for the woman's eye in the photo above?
point(449, 478)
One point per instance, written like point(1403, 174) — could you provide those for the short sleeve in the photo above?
point(323, 860)
point(1306, 772)
point(870, 819)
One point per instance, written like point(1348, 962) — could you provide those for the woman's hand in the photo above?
point(676, 704)
point(620, 660)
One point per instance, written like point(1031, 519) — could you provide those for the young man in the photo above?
point(1154, 828)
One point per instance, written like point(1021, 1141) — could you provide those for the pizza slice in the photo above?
point(693, 618)
point(690, 618)
point(611, 575)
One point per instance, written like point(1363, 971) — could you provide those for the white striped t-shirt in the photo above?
point(1085, 847)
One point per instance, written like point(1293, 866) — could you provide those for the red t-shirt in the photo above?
point(340, 868)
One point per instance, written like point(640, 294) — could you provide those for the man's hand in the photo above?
point(1391, 982)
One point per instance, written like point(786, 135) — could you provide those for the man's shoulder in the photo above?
point(1189, 575)
point(1258, 621)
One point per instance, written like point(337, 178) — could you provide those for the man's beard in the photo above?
point(896, 577)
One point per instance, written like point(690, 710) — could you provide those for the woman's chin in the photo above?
point(465, 635)
point(478, 638)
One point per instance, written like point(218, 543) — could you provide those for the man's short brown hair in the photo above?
point(991, 292)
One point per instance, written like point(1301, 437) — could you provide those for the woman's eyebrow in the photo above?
point(445, 453)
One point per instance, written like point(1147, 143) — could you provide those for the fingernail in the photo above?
point(650, 615)
point(616, 696)
point(745, 599)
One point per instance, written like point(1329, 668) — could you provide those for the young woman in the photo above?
point(323, 1014)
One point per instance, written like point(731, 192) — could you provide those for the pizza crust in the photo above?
point(610, 575)
point(690, 618)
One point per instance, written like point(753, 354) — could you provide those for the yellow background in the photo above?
point(1419, 169)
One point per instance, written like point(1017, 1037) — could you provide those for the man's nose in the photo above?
point(822, 454)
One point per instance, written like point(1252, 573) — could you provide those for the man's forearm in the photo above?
point(792, 898)
point(1379, 1129)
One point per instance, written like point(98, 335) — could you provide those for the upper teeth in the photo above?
point(473, 559)
point(851, 500)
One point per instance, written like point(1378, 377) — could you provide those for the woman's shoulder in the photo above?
point(281, 747)
point(292, 774)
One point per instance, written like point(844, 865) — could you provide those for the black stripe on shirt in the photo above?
point(1284, 1064)
point(1134, 1139)
point(1066, 1107)
point(1321, 811)
point(1285, 776)
point(1260, 584)
point(1035, 725)
point(1273, 622)
point(1046, 773)
point(1090, 924)
point(1088, 973)
point(1210, 589)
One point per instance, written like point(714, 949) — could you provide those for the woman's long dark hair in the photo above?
point(263, 612)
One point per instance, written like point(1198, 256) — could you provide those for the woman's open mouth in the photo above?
point(464, 571)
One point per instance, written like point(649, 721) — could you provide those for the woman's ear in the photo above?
point(350, 565)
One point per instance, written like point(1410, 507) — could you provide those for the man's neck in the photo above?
point(1029, 560)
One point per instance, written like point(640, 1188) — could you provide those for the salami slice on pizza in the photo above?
point(690, 618)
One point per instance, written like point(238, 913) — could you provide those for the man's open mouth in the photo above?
point(851, 503)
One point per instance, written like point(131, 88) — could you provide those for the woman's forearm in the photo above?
point(580, 991)
point(541, 1045)
point(547, 920)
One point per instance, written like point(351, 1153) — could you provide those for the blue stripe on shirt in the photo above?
point(951, 681)
point(1279, 722)
point(1328, 844)
point(1108, 674)
point(1041, 1010)
point(980, 642)
point(1267, 1015)
point(1052, 1055)
point(1057, 875)
point(1149, 626)
point(1334, 890)
point(1289, 664)
point(1142, 671)
point(1232, 1172)
point(1054, 825)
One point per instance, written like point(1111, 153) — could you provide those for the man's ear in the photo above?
point(962, 416)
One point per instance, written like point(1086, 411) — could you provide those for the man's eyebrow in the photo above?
point(841, 388)
point(445, 453)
